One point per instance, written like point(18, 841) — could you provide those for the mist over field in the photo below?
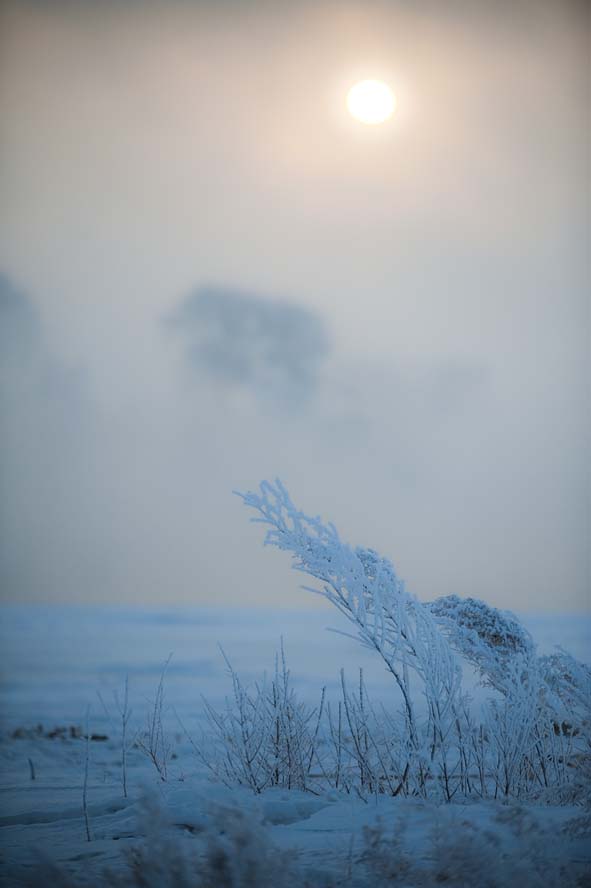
point(295, 285)
point(212, 275)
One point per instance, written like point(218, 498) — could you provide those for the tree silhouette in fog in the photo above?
point(239, 339)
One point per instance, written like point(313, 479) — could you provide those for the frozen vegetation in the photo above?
point(464, 759)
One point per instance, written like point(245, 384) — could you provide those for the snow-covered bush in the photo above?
point(493, 641)
point(435, 744)
point(569, 681)
point(388, 619)
point(512, 849)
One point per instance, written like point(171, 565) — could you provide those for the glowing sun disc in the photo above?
point(371, 101)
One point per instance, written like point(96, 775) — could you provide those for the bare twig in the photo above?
point(85, 786)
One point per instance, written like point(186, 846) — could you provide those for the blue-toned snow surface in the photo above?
point(59, 661)
point(55, 659)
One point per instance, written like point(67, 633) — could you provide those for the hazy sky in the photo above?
point(213, 275)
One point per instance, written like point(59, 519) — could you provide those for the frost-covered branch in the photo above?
point(493, 641)
point(365, 588)
point(522, 744)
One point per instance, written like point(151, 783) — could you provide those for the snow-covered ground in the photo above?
point(58, 663)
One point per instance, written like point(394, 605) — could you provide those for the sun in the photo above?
point(371, 101)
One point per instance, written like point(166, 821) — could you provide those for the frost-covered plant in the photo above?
point(124, 713)
point(265, 736)
point(388, 619)
point(514, 849)
point(161, 858)
point(239, 854)
point(567, 695)
point(539, 731)
point(385, 859)
point(493, 641)
point(570, 681)
point(503, 653)
point(370, 750)
point(436, 747)
point(153, 741)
